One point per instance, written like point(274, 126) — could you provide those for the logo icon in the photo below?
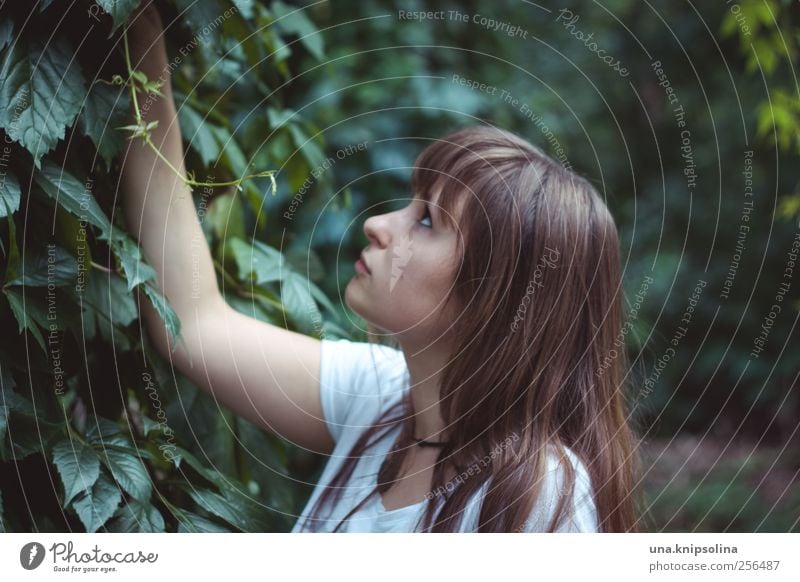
point(31, 555)
point(402, 254)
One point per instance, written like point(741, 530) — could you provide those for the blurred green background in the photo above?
point(690, 131)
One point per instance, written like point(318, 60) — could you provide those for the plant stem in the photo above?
point(141, 128)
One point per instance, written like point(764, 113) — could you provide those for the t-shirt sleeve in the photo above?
point(358, 380)
point(581, 516)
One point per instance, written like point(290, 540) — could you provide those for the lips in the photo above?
point(364, 262)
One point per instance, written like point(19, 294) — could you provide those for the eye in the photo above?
point(426, 215)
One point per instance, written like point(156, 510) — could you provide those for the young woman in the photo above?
point(498, 406)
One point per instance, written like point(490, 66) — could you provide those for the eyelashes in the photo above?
point(426, 215)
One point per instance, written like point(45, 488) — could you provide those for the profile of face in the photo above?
point(412, 261)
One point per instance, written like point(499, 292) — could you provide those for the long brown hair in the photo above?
point(540, 301)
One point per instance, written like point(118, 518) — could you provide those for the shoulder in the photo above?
point(357, 381)
point(581, 513)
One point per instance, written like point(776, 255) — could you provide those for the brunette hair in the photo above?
point(540, 299)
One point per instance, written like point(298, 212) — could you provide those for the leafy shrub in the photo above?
point(91, 419)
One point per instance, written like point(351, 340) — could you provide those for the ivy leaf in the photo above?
point(97, 505)
point(107, 303)
point(99, 428)
point(129, 471)
point(131, 260)
point(262, 262)
point(42, 268)
point(104, 109)
point(10, 194)
point(3, 427)
point(78, 466)
point(41, 89)
point(234, 508)
point(299, 303)
point(168, 315)
point(119, 10)
point(6, 32)
point(294, 21)
point(194, 523)
point(71, 195)
point(198, 131)
point(135, 516)
point(28, 315)
point(245, 8)
point(203, 19)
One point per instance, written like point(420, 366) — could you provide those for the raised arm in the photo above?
point(262, 372)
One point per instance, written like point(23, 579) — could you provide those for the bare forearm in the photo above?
point(158, 206)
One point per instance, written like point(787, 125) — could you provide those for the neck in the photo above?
point(425, 365)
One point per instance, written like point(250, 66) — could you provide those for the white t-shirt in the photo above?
point(358, 381)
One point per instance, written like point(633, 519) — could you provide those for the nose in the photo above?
point(376, 228)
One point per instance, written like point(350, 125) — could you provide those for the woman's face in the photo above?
point(412, 258)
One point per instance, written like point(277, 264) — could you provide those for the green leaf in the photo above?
point(294, 21)
point(53, 266)
point(10, 194)
point(198, 131)
point(28, 315)
point(311, 152)
point(41, 89)
point(78, 466)
point(71, 195)
point(245, 8)
point(105, 108)
point(234, 508)
point(202, 18)
point(193, 523)
point(258, 260)
point(3, 426)
point(168, 315)
point(299, 303)
point(225, 216)
point(107, 303)
point(6, 32)
point(130, 260)
point(135, 516)
point(129, 471)
point(96, 506)
point(119, 10)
